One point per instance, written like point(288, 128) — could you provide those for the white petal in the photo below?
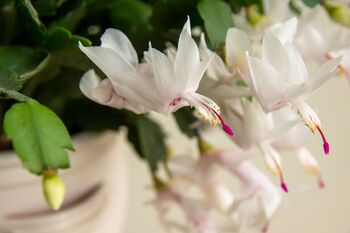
point(164, 77)
point(237, 43)
point(274, 52)
point(268, 85)
point(99, 91)
point(326, 71)
point(285, 31)
point(187, 58)
point(116, 40)
point(107, 60)
point(296, 68)
point(88, 83)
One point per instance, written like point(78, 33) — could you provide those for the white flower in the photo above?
point(259, 199)
point(280, 77)
point(195, 211)
point(294, 140)
point(256, 128)
point(164, 83)
point(329, 39)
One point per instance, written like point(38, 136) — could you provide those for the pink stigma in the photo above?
point(325, 143)
point(321, 184)
point(228, 130)
point(283, 184)
point(284, 187)
point(225, 127)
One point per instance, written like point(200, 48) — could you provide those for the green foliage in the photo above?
point(148, 140)
point(40, 59)
point(217, 17)
point(312, 3)
point(39, 137)
point(25, 61)
point(185, 120)
point(10, 84)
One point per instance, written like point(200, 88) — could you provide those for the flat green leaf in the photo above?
point(25, 61)
point(61, 38)
point(131, 12)
point(217, 17)
point(38, 135)
point(72, 18)
point(150, 142)
point(64, 48)
point(10, 84)
point(185, 120)
point(47, 7)
point(31, 17)
point(312, 3)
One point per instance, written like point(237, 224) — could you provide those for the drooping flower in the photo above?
point(256, 128)
point(294, 140)
point(196, 211)
point(280, 77)
point(163, 83)
point(329, 39)
point(252, 205)
point(259, 198)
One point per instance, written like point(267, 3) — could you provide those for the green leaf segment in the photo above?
point(39, 137)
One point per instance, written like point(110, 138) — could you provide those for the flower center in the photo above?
point(207, 110)
point(225, 127)
point(311, 120)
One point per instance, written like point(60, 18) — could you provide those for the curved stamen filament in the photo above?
point(325, 143)
point(225, 127)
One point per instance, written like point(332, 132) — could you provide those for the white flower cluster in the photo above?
point(258, 87)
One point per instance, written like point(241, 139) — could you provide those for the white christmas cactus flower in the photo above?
point(280, 77)
point(259, 199)
point(163, 83)
point(294, 140)
point(256, 128)
point(329, 39)
point(196, 212)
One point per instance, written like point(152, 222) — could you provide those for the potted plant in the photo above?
point(237, 64)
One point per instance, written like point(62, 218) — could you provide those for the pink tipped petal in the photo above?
point(284, 187)
point(228, 130)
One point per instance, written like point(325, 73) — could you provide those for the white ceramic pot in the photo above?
point(96, 187)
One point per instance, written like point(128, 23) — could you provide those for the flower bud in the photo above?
point(54, 189)
point(254, 16)
point(339, 13)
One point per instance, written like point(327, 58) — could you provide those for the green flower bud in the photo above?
point(54, 189)
point(339, 13)
point(254, 16)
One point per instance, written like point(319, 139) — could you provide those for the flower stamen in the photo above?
point(225, 127)
point(280, 173)
point(325, 143)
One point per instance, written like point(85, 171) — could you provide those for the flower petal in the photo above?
point(99, 91)
point(267, 83)
point(285, 32)
point(116, 40)
point(187, 58)
point(237, 43)
point(107, 60)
